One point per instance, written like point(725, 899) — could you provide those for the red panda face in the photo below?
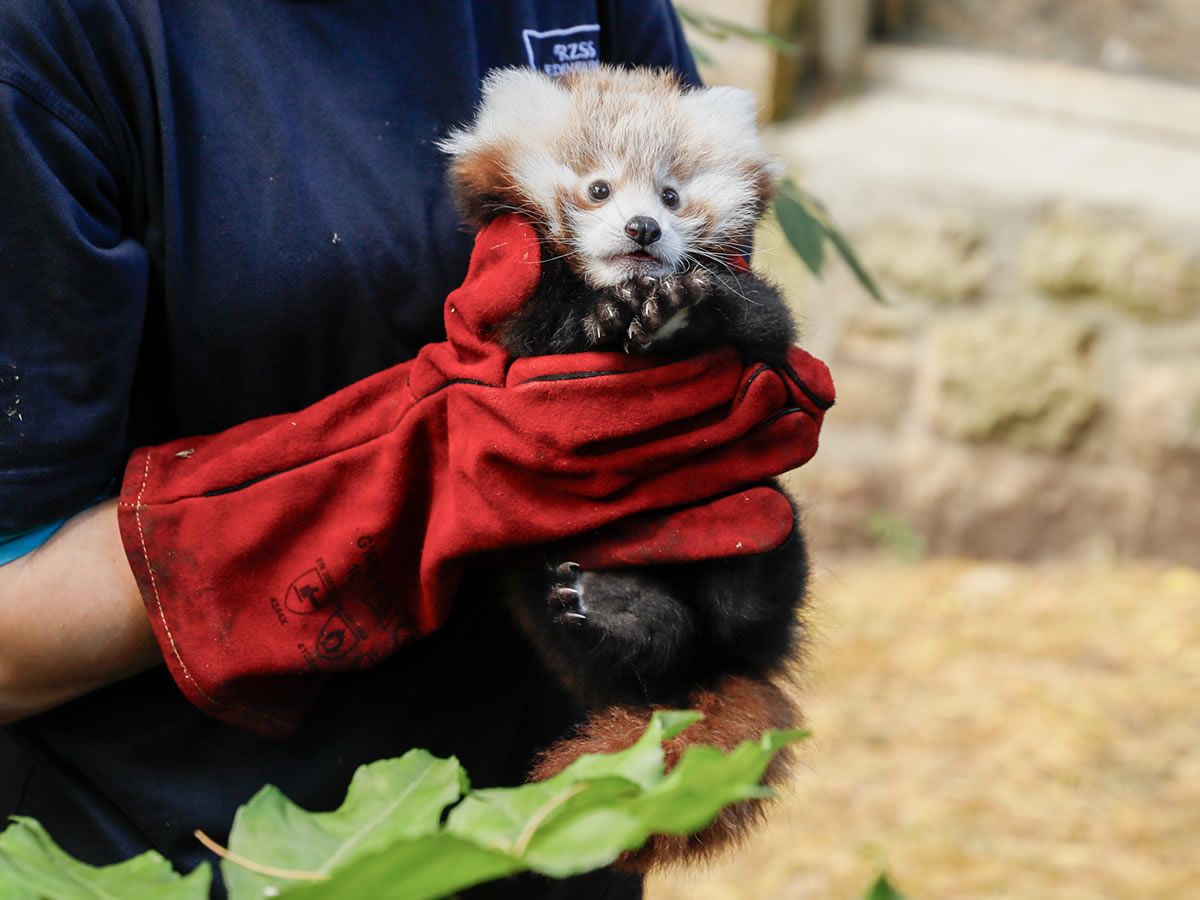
point(623, 172)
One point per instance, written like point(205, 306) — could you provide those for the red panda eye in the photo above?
point(670, 198)
point(599, 190)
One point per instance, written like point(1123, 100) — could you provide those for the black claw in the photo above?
point(575, 618)
point(565, 595)
point(569, 570)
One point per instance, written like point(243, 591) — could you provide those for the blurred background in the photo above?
point(1004, 678)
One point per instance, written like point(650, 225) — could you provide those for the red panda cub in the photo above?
point(645, 196)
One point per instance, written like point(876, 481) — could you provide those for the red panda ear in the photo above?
point(481, 183)
point(519, 102)
point(520, 112)
point(727, 118)
point(722, 110)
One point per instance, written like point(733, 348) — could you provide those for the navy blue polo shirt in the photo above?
point(215, 210)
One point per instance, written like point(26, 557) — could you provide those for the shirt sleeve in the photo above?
point(14, 546)
point(648, 33)
point(74, 285)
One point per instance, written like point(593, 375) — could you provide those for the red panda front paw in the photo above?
point(566, 596)
point(660, 308)
point(608, 320)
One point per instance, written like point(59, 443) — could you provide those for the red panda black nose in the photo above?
point(643, 229)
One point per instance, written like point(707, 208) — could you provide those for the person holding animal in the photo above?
point(201, 261)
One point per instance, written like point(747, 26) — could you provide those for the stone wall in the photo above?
point(1156, 37)
point(1033, 387)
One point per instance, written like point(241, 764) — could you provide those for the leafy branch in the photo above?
point(808, 228)
point(720, 29)
point(412, 828)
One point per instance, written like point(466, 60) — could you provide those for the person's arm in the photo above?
point(73, 278)
point(71, 617)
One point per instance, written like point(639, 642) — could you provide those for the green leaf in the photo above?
point(721, 29)
point(573, 822)
point(882, 890)
point(557, 827)
point(702, 56)
point(807, 225)
point(701, 23)
point(643, 762)
point(388, 802)
point(580, 820)
point(437, 865)
point(847, 254)
point(33, 866)
point(804, 233)
point(387, 839)
point(706, 781)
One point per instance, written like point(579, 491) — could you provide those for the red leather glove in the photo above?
point(322, 540)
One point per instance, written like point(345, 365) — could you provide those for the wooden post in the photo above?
point(843, 30)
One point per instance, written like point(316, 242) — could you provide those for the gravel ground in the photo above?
point(987, 730)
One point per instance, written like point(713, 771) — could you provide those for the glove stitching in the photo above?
point(137, 514)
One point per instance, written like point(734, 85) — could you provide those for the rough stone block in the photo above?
point(994, 502)
point(883, 339)
point(942, 258)
point(1149, 36)
point(1159, 411)
point(1017, 376)
point(1071, 254)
